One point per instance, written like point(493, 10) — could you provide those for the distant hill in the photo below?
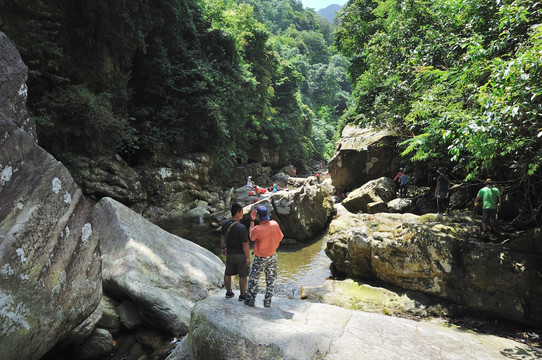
point(329, 12)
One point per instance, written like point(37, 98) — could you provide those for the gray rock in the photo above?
point(50, 269)
point(400, 205)
point(181, 351)
point(363, 155)
point(163, 274)
point(294, 329)
point(129, 315)
point(301, 213)
point(380, 190)
point(99, 342)
point(110, 319)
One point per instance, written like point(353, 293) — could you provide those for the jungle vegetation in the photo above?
point(146, 78)
point(460, 80)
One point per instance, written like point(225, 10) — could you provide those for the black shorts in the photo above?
point(236, 264)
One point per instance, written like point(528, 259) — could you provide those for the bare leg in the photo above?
point(227, 282)
point(243, 284)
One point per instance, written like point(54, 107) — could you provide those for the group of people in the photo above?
point(489, 195)
point(256, 190)
point(234, 240)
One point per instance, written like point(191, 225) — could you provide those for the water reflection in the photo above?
point(300, 264)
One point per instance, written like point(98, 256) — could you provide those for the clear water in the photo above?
point(300, 265)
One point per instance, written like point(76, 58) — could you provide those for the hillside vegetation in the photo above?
point(146, 78)
point(459, 79)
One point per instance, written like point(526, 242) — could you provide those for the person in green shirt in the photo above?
point(491, 203)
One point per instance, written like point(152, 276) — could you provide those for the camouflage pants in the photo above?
point(269, 267)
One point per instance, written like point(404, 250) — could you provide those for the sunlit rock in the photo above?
point(363, 155)
point(442, 256)
point(295, 329)
point(162, 274)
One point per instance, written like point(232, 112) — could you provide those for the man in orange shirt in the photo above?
point(266, 236)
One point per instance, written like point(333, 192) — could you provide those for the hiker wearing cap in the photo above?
point(266, 236)
point(234, 241)
point(441, 191)
point(491, 203)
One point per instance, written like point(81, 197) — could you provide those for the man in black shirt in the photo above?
point(234, 241)
point(441, 191)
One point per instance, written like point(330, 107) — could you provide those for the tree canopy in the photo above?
point(459, 78)
point(147, 78)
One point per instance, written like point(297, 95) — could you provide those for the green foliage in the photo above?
point(160, 79)
point(459, 78)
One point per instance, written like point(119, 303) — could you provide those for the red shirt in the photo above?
point(266, 236)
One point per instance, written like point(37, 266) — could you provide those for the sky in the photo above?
point(320, 4)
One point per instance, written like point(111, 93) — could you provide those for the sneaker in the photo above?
point(242, 297)
point(249, 302)
point(229, 295)
point(267, 305)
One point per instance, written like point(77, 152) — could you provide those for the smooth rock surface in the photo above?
point(162, 274)
point(294, 329)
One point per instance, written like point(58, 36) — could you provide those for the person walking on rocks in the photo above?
point(491, 203)
point(234, 241)
point(403, 189)
point(441, 191)
point(267, 237)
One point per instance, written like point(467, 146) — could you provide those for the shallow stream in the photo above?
point(301, 264)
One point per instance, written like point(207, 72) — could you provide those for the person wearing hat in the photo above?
point(491, 203)
point(234, 241)
point(267, 237)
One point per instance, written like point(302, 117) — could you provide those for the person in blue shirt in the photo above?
point(403, 185)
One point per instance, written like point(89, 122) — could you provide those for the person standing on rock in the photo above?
point(234, 241)
point(403, 189)
point(441, 191)
point(491, 203)
point(267, 237)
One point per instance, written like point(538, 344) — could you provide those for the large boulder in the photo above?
point(294, 329)
point(50, 270)
point(379, 191)
point(363, 155)
point(162, 274)
point(443, 257)
point(302, 213)
point(107, 176)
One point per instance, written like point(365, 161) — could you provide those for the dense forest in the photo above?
point(145, 78)
point(458, 80)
